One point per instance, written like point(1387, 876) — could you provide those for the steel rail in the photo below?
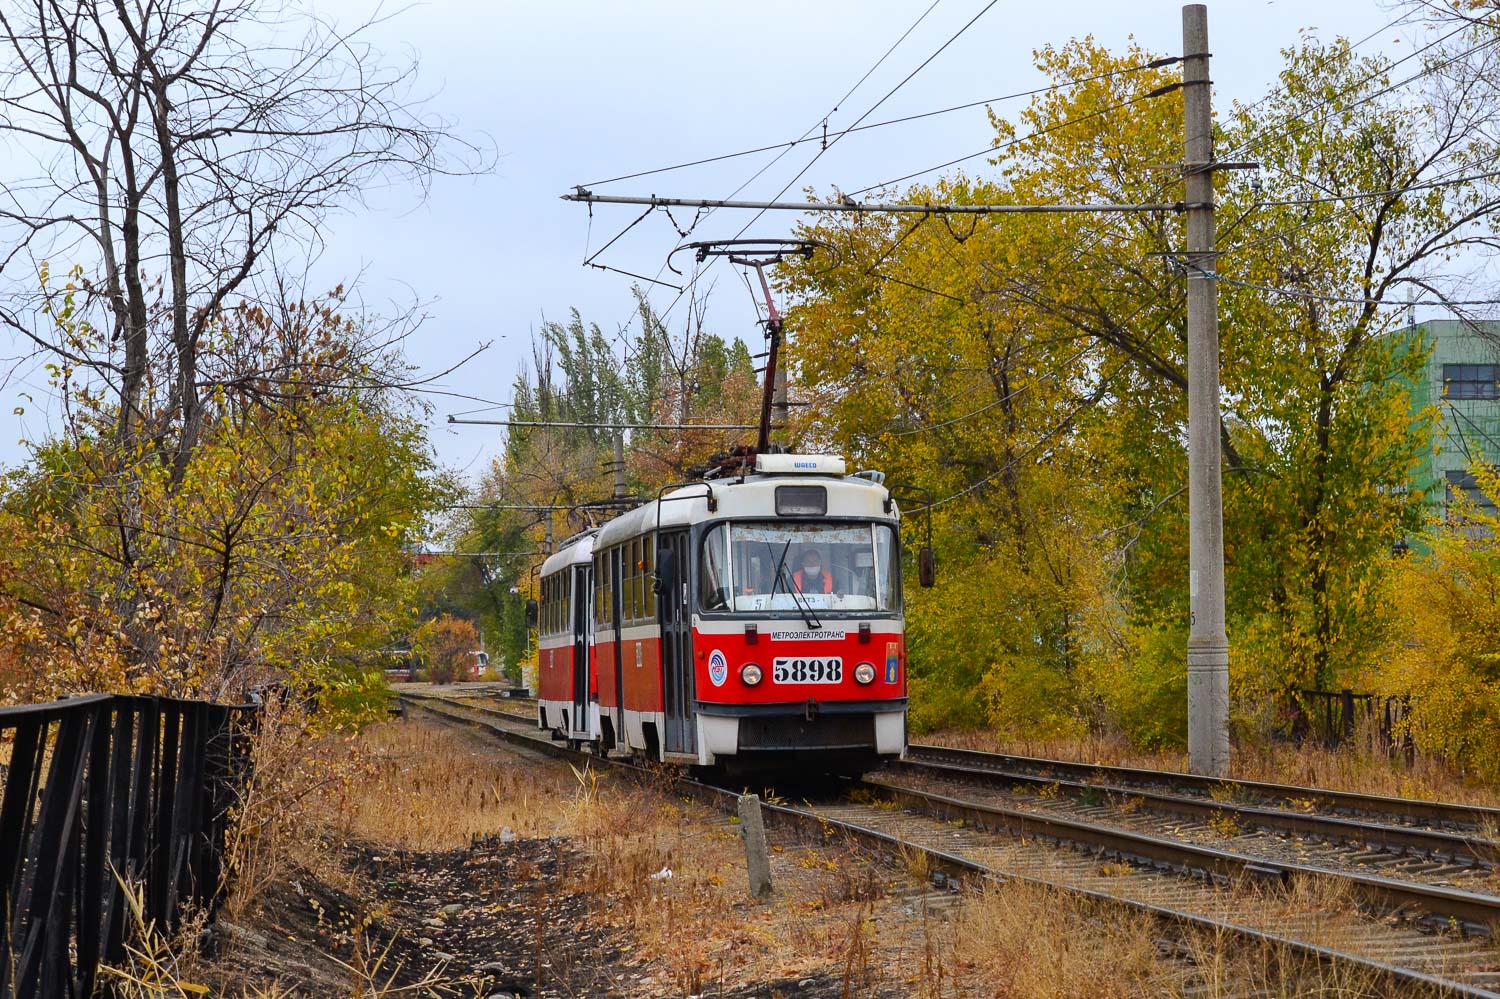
point(1397, 839)
point(1350, 801)
point(967, 871)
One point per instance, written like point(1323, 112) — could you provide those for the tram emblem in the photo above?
point(718, 668)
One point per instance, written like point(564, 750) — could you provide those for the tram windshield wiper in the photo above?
point(808, 618)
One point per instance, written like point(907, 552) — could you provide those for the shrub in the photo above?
point(445, 644)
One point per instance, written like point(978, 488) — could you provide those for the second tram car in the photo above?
point(567, 700)
point(748, 622)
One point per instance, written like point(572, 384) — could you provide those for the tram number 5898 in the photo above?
point(805, 669)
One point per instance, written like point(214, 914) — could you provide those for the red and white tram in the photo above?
point(751, 621)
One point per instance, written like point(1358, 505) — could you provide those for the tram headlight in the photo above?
point(750, 674)
point(864, 673)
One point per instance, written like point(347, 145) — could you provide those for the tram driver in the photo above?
point(811, 578)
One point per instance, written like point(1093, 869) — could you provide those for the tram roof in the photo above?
point(754, 496)
point(575, 550)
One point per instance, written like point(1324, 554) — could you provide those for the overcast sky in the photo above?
point(574, 92)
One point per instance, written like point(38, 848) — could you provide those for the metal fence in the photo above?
point(1334, 714)
point(99, 788)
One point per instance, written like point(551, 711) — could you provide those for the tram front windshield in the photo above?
point(780, 566)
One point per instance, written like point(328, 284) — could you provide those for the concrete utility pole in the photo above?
point(619, 466)
point(1208, 644)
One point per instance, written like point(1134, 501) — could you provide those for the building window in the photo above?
point(1464, 487)
point(1471, 381)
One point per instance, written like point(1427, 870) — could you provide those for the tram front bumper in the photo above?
point(877, 727)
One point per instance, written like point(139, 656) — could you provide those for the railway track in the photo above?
point(1294, 837)
point(1392, 811)
point(1392, 937)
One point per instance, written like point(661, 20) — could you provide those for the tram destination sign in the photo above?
point(807, 634)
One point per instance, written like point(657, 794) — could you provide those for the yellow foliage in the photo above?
point(1447, 661)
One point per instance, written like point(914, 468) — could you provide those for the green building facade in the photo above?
point(1462, 381)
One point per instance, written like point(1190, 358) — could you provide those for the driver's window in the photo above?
point(713, 580)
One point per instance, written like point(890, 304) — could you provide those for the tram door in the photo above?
point(581, 665)
point(676, 641)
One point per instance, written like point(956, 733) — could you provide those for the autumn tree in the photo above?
point(281, 550)
point(175, 167)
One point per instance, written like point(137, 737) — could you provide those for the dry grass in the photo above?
point(431, 787)
point(274, 831)
point(158, 966)
point(878, 928)
point(1356, 767)
point(1021, 940)
point(309, 792)
point(1029, 941)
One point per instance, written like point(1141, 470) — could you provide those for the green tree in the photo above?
point(576, 375)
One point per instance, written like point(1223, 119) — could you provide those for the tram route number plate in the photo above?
point(807, 669)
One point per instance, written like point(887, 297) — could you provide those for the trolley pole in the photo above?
point(778, 399)
point(1208, 643)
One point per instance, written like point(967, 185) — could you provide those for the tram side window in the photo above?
point(627, 571)
point(606, 587)
point(598, 591)
point(648, 584)
point(623, 554)
point(612, 584)
point(636, 610)
point(642, 580)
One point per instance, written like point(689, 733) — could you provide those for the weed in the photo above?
point(154, 967)
point(1226, 824)
point(1228, 793)
point(373, 975)
point(917, 861)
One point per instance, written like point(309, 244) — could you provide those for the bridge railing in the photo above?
point(97, 789)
